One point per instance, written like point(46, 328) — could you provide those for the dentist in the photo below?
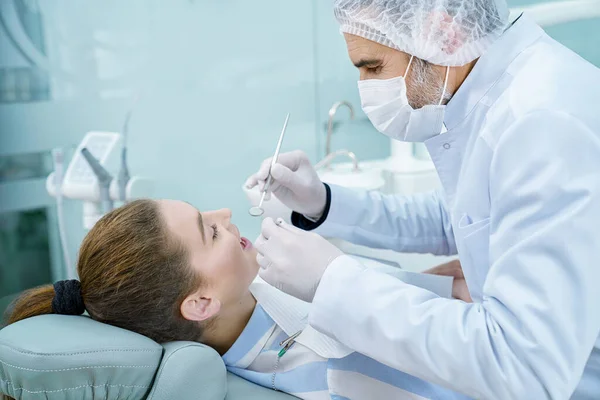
point(520, 171)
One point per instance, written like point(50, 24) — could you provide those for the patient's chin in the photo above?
point(251, 262)
point(251, 255)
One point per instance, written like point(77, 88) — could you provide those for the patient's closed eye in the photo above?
point(215, 231)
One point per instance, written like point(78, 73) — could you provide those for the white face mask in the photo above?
point(386, 104)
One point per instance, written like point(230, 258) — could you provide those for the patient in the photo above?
point(169, 272)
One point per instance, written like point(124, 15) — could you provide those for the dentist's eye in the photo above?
point(375, 70)
point(215, 231)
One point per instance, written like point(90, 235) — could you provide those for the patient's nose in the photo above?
point(224, 215)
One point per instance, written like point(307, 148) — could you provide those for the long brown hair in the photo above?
point(134, 274)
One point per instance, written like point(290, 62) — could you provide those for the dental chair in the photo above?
point(57, 357)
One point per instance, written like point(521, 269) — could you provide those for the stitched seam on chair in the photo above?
point(83, 352)
point(72, 388)
point(78, 368)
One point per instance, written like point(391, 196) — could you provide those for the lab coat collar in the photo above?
point(489, 68)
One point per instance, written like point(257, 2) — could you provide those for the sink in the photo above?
point(344, 174)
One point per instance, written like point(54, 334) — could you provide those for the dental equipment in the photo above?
point(92, 185)
point(326, 162)
point(257, 211)
point(104, 179)
point(123, 176)
point(330, 124)
point(58, 159)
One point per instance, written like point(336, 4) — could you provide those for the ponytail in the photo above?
point(31, 303)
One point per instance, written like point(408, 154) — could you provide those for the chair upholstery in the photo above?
point(57, 357)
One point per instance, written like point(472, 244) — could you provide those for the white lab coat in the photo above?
point(520, 170)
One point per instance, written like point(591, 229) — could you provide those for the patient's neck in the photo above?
point(229, 324)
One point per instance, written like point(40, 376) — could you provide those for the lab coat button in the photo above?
point(447, 146)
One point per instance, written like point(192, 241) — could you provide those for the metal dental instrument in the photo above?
point(257, 211)
point(104, 179)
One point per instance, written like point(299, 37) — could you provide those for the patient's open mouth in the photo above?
point(246, 244)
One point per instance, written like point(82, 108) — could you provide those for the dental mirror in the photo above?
point(256, 211)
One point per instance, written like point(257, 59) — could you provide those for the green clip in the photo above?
point(287, 343)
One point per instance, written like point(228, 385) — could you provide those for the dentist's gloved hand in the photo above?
point(295, 183)
point(293, 260)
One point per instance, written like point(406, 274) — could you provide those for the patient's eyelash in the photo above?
point(215, 231)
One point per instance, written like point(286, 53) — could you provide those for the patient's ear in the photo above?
point(198, 308)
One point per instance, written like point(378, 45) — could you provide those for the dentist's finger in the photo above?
point(263, 261)
point(251, 182)
point(263, 171)
point(292, 159)
point(285, 176)
point(275, 184)
point(260, 243)
point(261, 189)
point(261, 186)
point(290, 228)
point(270, 275)
point(269, 228)
point(260, 177)
point(272, 191)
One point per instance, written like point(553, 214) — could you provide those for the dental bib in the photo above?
point(291, 315)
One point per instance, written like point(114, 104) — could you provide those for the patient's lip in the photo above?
point(246, 244)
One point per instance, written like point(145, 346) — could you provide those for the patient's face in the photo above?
point(225, 260)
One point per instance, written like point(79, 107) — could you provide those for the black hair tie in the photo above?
point(67, 298)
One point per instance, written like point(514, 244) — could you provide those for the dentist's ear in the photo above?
point(198, 308)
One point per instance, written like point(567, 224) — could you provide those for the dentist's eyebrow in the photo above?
point(201, 227)
point(367, 63)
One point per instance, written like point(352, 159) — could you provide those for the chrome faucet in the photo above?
point(327, 160)
point(332, 111)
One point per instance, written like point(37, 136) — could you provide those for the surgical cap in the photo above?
point(442, 32)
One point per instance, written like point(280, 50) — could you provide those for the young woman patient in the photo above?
point(169, 272)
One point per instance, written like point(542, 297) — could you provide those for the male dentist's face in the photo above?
point(424, 81)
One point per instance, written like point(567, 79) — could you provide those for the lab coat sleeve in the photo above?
point(533, 333)
point(410, 224)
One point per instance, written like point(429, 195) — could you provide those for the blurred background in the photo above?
point(214, 81)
